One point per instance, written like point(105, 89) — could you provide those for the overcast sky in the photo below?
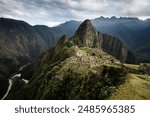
point(54, 12)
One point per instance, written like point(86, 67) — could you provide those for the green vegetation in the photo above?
point(96, 83)
point(135, 87)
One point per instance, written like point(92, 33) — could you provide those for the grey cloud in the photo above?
point(55, 11)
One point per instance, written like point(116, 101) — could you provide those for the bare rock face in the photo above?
point(115, 47)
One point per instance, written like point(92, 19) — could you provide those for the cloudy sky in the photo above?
point(54, 12)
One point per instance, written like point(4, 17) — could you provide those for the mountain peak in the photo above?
point(86, 34)
point(86, 24)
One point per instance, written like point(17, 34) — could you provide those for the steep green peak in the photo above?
point(86, 34)
point(87, 22)
point(85, 27)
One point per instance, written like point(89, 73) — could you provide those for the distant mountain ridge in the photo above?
point(129, 30)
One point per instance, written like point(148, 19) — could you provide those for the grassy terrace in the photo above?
point(132, 66)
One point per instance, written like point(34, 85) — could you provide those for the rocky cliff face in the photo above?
point(89, 37)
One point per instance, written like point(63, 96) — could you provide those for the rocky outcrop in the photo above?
point(87, 35)
point(116, 48)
